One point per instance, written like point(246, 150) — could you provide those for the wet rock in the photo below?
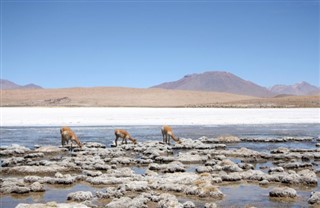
point(168, 168)
point(35, 169)
point(111, 192)
point(229, 166)
point(34, 155)
point(228, 139)
point(188, 204)
point(122, 160)
point(245, 166)
point(143, 161)
point(31, 179)
point(210, 205)
point(106, 179)
point(264, 182)
point(126, 202)
point(60, 179)
point(191, 157)
point(14, 149)
point(136, 186)
point(169, 200)
point(80, 196)
point(37, 187)
point(283, 192)
point(280, 150)
point(276, 170)
point(164, 159)
point(308, 177)
point(13, 185)
point(203, 169)
point(315, 198)
point(12, 161)
point(94, 145)
point(51, 205)
point(50, 149)
point(296, 165)
point(92, 173)
point(231, 177)
point(253, 175)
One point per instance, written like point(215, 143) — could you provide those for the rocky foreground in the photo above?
point(166, 176)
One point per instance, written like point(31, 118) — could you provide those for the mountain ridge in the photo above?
point(222, 81)
point(9, 85)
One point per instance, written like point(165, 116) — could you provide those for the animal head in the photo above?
point(134, 141)
point(179, 141)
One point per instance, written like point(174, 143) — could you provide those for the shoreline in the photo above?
point(100, 116)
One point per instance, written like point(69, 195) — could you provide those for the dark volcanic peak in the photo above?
point(8, 85)
point(302, 88)
point(218, 81)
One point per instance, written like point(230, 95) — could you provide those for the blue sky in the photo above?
point(143, 43)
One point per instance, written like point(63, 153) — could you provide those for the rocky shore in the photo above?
point(196, 170)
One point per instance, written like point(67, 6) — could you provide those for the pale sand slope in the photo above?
point(24, 116)
point(114, 97)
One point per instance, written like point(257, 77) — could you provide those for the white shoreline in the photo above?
point(37, 116)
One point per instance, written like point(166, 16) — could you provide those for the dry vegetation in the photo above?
point(132, 97)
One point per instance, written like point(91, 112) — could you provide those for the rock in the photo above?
point(315, 198)
point(94, 145)
point(126, 202)
point(308, 177)
point(191, 157)
point(283, 192)
point(296, 165)
point(203, 169)
point(136, 186)
point(264, 182)
point(37, 187)
point(111, 192)
point(35, 169)
point(51, 205)
point(169, 200)
point(280, 150)
point(276, 170)
point(188, 204)
point(14, 149)
point(168, 168)
point(14, 185)
point(80, 196)
point(50, 149)
point(34, 155)
point(228, 139)
point(210, 205)
point(31, 179)
point(92, 173)
point(231, 177)
point(12, 161)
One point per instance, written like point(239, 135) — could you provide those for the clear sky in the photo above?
point(143, 43)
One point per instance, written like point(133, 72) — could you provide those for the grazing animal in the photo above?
point(167, 134)
point(67, 134)
point(120, 133)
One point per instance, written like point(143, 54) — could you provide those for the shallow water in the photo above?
point(30, 136)
point(239, 195)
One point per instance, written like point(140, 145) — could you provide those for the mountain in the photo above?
point(303, 88)
point(218, 81)
point(8, 85)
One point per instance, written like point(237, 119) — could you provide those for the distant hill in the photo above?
point(302, 88)
point(8, 85)
point(217, 81)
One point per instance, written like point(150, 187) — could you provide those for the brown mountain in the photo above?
point(8, 85)
point(217, 81)
point(303, 88)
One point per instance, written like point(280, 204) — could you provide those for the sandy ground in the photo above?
point(132, 97)
point(26, 116)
